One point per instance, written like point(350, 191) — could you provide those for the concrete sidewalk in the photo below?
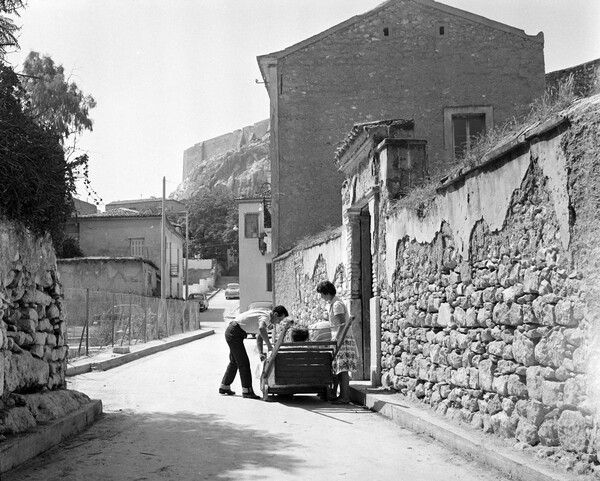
point(108, 359)
point(492, 451)
point(18, 449)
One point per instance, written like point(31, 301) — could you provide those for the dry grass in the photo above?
point(328, 233)
point(544, 108)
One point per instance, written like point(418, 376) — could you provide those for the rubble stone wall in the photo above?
point(297, 273)
point(490, 293)
point(33, 348)
point(492, 318)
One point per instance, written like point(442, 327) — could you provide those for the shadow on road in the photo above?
point(150, 446)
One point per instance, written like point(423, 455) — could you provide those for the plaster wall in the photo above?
point(125, 276)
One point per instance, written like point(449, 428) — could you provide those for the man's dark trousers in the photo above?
point(238, 357)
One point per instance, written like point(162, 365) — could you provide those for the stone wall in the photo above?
point(488, 308)
point(297, 273)
point(586, 78)
point(489, 293)
point(33, 349)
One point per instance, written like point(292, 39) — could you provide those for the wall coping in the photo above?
point(497, 153)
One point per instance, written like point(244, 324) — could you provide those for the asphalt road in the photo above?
point(164, 420)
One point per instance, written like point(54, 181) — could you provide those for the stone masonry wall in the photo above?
point(501, 333)
point(298, 273)
point(33, 349)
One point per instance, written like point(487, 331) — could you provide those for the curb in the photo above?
point(22, 448)
point(132, 356)
point(485, 449)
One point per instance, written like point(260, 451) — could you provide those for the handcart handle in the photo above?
point(271, 361)
point(340, 340)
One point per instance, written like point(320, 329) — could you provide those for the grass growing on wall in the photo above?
point(540, 110)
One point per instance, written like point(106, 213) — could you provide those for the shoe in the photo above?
point(250, 395)
point(229, 392)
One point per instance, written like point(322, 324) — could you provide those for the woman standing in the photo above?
point(347, 357)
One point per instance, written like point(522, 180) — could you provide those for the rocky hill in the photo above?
point(238, 162)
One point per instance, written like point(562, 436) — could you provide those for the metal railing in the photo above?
point(97, 319)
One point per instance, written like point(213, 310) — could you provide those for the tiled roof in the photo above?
point(122, 212)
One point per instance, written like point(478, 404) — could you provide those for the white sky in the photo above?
point(169, 74)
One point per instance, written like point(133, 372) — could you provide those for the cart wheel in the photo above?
point(265, 393)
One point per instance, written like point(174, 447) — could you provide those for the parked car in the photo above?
point(201, 299)
point(232, 291)
point(267, 305)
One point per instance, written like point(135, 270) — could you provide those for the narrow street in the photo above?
point(164, 420)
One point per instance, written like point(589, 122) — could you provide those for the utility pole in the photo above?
point(162, 245)
point(187, 253)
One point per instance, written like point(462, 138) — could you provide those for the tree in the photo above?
point(53, 101)
point(59, 106)
point(212, 221)
point(8, 29)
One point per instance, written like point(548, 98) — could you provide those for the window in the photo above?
point(386, 32)
point(466, 130)
point(251, 225)
point(269, 279)
point(462, 126)
point(136, 247)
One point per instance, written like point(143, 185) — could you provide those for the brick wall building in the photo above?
point(413, 59)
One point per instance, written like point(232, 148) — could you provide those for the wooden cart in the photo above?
point(301, 367)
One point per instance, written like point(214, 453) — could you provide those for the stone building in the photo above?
point(455, 74)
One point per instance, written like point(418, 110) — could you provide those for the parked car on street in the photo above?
point(267, 305)
point(232, 291)
point(200, 298)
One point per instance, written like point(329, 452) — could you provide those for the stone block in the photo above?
point(523, 350)
point(548, 433)
point(504, 425)
point(527, 433)
point(17, 420)
point(573, 431)
point(486, 369)
point(29, 313)
point(25, 372)
point(500, 385)
point(515, 387)
point(550, 351)
point(45, 325)
point(27, 325)
point(552, 393)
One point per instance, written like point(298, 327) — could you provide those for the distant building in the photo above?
point(193, 156)
point(82, 207)
point(153, 203)
point(454, 73)
point(255, 254)
point(128, 233)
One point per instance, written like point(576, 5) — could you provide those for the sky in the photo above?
point(167, 75)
